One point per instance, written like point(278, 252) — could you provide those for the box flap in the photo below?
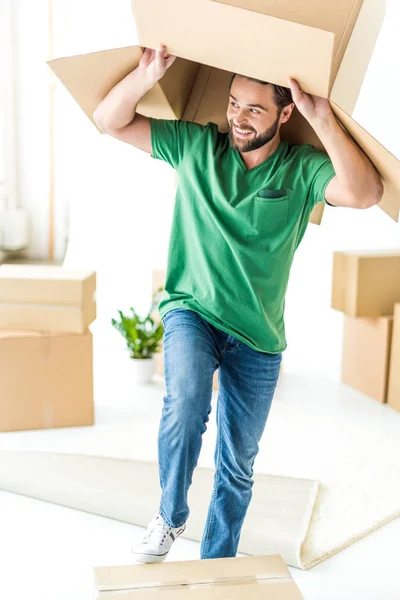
point(186, 573)
point(387, 165)
point(208, 101)
point(338, 17)
point(89, 78)
point(353, 67)
point(271, 49)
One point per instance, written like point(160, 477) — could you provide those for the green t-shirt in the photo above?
point(235, 230)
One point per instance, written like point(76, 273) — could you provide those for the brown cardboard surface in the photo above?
point(157, 282)
point(339, 281)
point(46, 284)
point(393, 397)
point(248, 577)
point(265, 590)
point(47, 317)
point(89, 78)
point(45, 380)
point(182, 26)
point(366, 284)
point(354, 63)
point(338, 17)
point(386, 164)
point(46, 298)
point(366, 355)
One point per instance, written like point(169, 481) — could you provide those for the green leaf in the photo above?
point(142, 336)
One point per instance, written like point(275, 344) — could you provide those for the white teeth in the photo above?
point(242, 130)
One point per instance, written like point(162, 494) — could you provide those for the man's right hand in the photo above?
point(116, 114)
point(154, 64)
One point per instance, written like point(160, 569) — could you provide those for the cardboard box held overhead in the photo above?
point(46, 298)
point(252, 578)
point(46, 380)
point(326, 49)
point(365, 283)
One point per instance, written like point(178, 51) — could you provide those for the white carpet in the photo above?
point(357, 466)
point(346, 442)
point(128, 490)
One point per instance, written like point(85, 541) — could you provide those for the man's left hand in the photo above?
point(313, 108)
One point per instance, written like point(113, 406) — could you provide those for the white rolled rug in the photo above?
point(128, 490)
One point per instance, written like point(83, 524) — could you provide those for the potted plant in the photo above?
point(143, 338)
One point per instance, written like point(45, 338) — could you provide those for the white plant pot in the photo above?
point(144, 369)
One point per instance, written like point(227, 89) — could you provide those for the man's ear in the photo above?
point(286, 113)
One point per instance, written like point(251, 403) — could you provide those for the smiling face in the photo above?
point(253, 116)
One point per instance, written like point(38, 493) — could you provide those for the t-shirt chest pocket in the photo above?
point(270, 209)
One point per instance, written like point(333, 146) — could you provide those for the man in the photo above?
point(242, 207)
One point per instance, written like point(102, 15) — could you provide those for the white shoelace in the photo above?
point(158, 531)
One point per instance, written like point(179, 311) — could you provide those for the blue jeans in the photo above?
point(193, 350)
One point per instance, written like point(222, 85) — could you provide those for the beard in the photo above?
point(256, 141)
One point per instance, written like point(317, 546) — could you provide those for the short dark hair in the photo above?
point(282, 95)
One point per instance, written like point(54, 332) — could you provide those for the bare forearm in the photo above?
point(119, 106)
point(352, 167)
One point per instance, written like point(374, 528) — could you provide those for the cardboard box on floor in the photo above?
point(393, 398)
point(365, 283)
point(252, 578)
point(326, 48)
point(46, 380)
point(366, 355)
point(46, 298)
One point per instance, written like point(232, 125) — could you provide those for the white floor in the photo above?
point(48, 552)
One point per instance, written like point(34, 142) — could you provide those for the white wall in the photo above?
point(121, 200)
point(378, 107)
point(32, 109)
point(78, 27)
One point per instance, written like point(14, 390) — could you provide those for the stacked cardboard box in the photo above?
point(366, 288)
point(157, 282)
point(46, 372)
point(393, 397)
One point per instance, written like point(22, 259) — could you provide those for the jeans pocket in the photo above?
point(170, 313)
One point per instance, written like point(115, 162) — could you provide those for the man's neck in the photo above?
point(256, 157)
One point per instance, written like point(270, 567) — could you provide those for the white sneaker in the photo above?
point(157, 541)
